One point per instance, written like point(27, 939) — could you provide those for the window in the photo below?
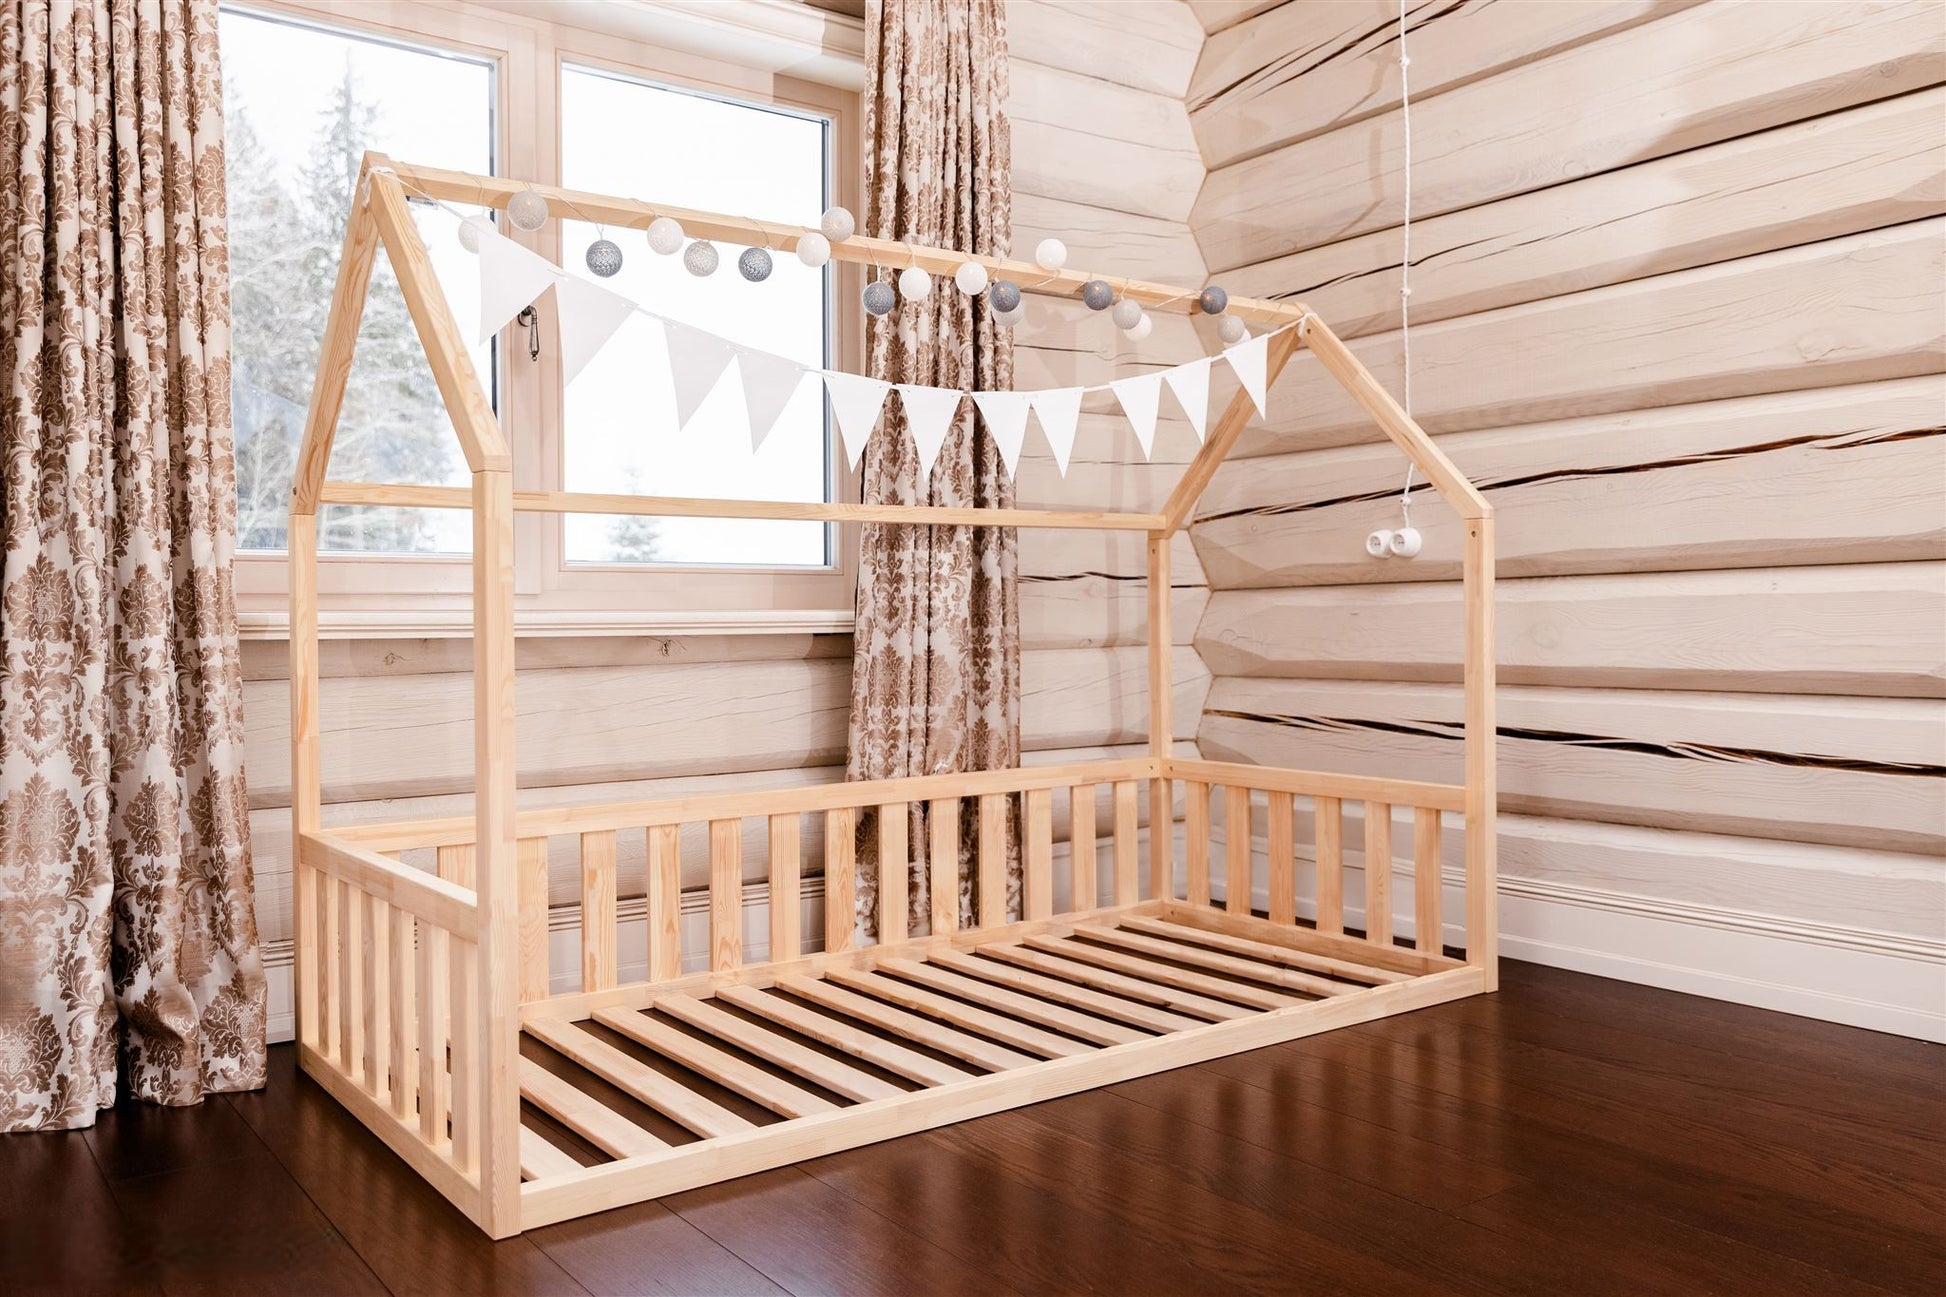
point(310, 85)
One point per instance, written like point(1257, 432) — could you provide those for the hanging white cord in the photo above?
point(1405, 251)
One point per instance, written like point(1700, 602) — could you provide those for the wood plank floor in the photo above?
point(1568, 1135)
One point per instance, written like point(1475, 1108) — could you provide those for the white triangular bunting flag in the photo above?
point(855, 404)
point(929, 415)
point(1006, 417)
point(1190, 384)
point(511, 278)
point(1058, 409)
point(1140, 397)
point(769, 383)
point(696, 361)
point(590, 315)
point(1251, 360)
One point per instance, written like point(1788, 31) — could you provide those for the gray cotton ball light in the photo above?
point(1098, 294)
point(879, 297)
point(754, 265)
point(1213, 300)
point(1004, 295)
point(604, 257)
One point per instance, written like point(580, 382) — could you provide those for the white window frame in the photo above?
point(378, 595)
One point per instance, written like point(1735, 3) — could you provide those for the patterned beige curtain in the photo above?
point(127, 932)
point(936, 677)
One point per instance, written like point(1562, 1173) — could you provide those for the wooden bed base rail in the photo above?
point(413, 987)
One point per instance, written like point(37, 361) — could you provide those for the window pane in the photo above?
point(669, 146)
point(301, 104)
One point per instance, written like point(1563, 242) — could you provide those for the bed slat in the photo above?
point(1230, 964)
point(1115, 983)
point(842, 1035)
point(1006, 1030)
point(585, 1115)
point(540, 1159)
point(1121, 1009)
point(1148, 970)
point(704, 1059)
point(1096, 1031)
point(918, 1030)
point(830, 1073)
point(1263, 951)
point(667, 1096)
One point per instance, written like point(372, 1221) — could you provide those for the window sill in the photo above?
point(457, 623)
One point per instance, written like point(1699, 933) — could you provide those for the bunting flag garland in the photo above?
point(591, 314)
point(696, 362)
point(929, 415)
point(1006, 419)
point(769, 383)
point(855, 405)
point(589, 317)
point(1251, 361)
point(1140, 398)
point(1190, 384)
point(511, 278)
point(1058, 409)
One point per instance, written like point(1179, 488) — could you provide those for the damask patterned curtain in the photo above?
point(127, 932)
point(936, 676)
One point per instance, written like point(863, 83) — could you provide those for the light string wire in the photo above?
point(562, 273)
point(1405, 252)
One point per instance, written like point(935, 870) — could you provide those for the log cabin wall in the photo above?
point(1677, 305)
point(1105, 160)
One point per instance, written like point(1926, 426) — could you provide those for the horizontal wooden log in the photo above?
point(270, 659)
point(1150, 45)
point(1059, 555)
point(1079, 138)
point(1862, 772)
point(407, 736)
point(1853, 474)
point(1298, 70)
point(1218, 15)
point(1697, 77)
point(1858, 170)
point(1848, 310)
point(1146, 247)
point(1876, 629)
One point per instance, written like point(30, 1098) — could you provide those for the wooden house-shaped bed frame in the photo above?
point(422, 947)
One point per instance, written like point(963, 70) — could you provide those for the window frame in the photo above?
point(366, 594)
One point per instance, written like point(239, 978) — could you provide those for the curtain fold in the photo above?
point(936, 674)
point(128, 938)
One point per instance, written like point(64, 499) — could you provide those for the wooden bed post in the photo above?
point(1482, 840)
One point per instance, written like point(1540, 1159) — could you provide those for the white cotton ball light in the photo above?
point(1126, 313)
point(527, 210)
point(700, 258)
point(472, 230)
point(1143, 328)
point(665, 235)
point(971, 278)
point(1008, 319)
point(837, 224)
point(914, 284)
point(1232, 330)
point(1052, 254)
point(813, 249)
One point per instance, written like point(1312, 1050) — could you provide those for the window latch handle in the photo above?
point(532, 320)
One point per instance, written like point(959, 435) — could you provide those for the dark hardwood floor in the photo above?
point(1569, 1135)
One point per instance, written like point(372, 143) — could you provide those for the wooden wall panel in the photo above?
point(1845, 310)
point(1079, 139)
point(1875, 630)
point(1146, 44)
point(1693, 78)
point(1853, 474)
point(1297, 70)
point(1869, 167)
point(1862, 772)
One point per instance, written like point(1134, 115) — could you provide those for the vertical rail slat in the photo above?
point(1378, 873)
point(1195, 827)
point(1128, 842)
point(1236, 850)
point(598, 910)
point(405, 1061)
point(840, 883)
point(1162, 838)
point(351, 980)
point(665, 902)
point(1331, 865)
point(725, 894)
point(993, 860)
point(1084, 861)
point(786, 883)
point(942, 817)
point(467, 1076)
point(1037, 852)
point(894, 871)
point(1427, 885)
point(433, 986)
point(378, 994)
point(1161, 645)
point(1281, 877)
point(305, 928)
point(456, 863)
point(326, 915)
point(530, 863)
